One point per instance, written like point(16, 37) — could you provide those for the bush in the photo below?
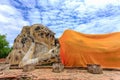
point(4, 46)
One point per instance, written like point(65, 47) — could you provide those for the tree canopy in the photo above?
point(4, 46)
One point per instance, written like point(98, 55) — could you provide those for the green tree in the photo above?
point(4, 46)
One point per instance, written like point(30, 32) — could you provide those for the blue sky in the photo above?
point(86, 16)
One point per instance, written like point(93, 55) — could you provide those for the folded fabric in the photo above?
point(78, 49)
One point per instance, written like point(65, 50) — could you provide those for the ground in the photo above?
point(67, 74)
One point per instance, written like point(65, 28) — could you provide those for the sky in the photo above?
point(85, 16)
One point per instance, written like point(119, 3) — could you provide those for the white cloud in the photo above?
point(6, 9)
point(72, 4)
point(11, 22)
point(28, 3)
point(34, 16)
point(3, 19)
point(54, 3)
point(6, 2)
point(100, 25)
point(87, 16)
point(101, 3)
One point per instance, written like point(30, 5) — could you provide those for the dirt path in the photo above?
point(68, 74)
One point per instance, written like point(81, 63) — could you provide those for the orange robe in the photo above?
point(78, 49)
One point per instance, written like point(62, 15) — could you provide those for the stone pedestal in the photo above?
point(94, 68)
